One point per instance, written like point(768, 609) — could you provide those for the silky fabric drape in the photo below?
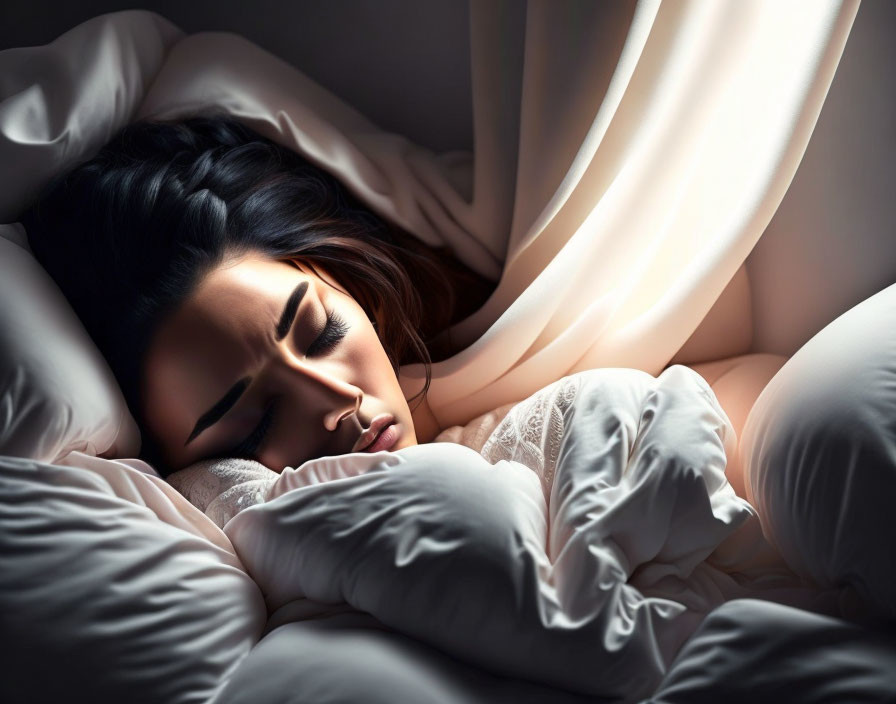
point(636, 197)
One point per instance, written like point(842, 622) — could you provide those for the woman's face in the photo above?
point(270, 361)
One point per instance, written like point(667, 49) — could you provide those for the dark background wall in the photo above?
point(404, 63)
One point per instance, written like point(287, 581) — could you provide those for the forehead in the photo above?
point(247, 278)
point(238, 299)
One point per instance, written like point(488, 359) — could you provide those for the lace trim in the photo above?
point(532, 432)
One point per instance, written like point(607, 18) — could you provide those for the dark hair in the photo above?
point(128, 234)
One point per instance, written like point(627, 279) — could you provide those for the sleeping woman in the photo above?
point(248, 304)
point(250, 307)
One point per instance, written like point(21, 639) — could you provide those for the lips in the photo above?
point(369, 436)
point(386, 440)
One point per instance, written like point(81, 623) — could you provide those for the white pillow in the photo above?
point(105, 601)
point(819, 454)
point(57, 394)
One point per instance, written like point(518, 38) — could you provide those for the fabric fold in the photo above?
point(61, 102)
point(701, 128)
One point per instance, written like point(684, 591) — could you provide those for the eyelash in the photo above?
point(333, 332)
point(332, 335)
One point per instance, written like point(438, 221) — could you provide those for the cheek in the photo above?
point(362, 336)
point(370, 353)
point(365, 352)
point(375, 371)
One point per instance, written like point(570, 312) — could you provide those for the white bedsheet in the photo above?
point(590, 579)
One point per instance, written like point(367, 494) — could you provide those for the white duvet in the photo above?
point(586, 568)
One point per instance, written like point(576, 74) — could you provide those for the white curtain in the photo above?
point(627, 157)
point(635, 199)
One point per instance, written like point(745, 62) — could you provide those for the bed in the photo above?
point(115, 587)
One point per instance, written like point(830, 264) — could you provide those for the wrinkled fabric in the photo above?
point(222, 487)
point(137, 483)
point(350, 658)
point(60, 102)
point(755, 651)
point(590, 582)
point(103, 600)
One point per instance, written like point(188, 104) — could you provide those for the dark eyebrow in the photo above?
point(216, 412)
point(289, 310)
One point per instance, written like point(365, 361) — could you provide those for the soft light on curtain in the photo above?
point(635, 199)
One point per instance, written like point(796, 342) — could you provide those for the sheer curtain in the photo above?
point(623, 170)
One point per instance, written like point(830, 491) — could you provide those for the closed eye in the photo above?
point(333, 333)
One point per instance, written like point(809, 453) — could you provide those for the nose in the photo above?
point(322, 390)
